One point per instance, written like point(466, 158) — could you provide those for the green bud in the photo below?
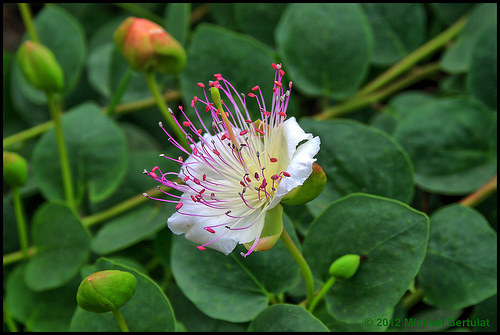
point(345, 267)
point(273, 227)
point(40, 67)
point(312, 187)
point(147, 46)
point(15, 169)
point(106, 291)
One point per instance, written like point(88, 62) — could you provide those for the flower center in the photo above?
point(237, 170)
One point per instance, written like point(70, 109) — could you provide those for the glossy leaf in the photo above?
point(390, 236)
point(326, 48)
point(286, 318)
point(460, 268)
point(97, 155)
point(62, 245)
point(245, 288)
point(452, 143)
point(358, 158)
point(398, 29)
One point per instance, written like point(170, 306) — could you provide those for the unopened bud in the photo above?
point(106, 291)
point(345, 267)
point(40, 67)
point(15, 169)
point(147, 46)
point(312, 187)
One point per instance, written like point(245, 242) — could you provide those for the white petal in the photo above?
point(225, 240)
point(301, 158)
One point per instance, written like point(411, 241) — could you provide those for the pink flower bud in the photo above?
point(147, 46)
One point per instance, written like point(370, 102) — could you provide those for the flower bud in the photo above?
point(345, 267)
point(40, 67)
point(273, 227)
point(106, 291)
point(312, 187)
point(147, 46)
point(15, 169)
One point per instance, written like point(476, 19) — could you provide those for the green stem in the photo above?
point(63, 156)
point(27, 134)
point(7, 318)
point(357, 102)
point(137, 10)
point(25, 10)
point(122, 207)
point(122, 109)
point(304, 267)
point(122, 86)
point(413, 298)
point(321, 294)
point(21, 224)
point(406, 63)
point(482, 193)
point(121, 321)
point(162, 105)
point(16, 256)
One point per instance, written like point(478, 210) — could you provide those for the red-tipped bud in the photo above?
point(312, 187)
point(40, 67)
point(147, 46)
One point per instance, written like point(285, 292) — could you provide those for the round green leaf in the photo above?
point(97, 152)
point(148, 310)
point(398, 29)
point(460, 268)
point(64, 36)
point(62, 245)
point(359, 158)
point(47, 311)
point(482, 79)
point(457, 59)
point(243, 290)
point(125, 231)
point(452, 143)
point(286, 318)
point(242, 60)
point(390, 235)
point(326, 48)
point(259, 19)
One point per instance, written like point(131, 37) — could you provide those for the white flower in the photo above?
point(236, 173)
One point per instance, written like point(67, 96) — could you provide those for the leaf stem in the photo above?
point(121, 320)
point(162, 105)
point(16, 256)
point(407, 62)
point(25, 11)
point(482, 193)
point(304, 267)
point(321, 293)
point(122, 109)
point(7, 318)
point(357, 102)
point(21, 224)
point(413, 298)
point(122, 86)
point(63, 156)
point(122, 207)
